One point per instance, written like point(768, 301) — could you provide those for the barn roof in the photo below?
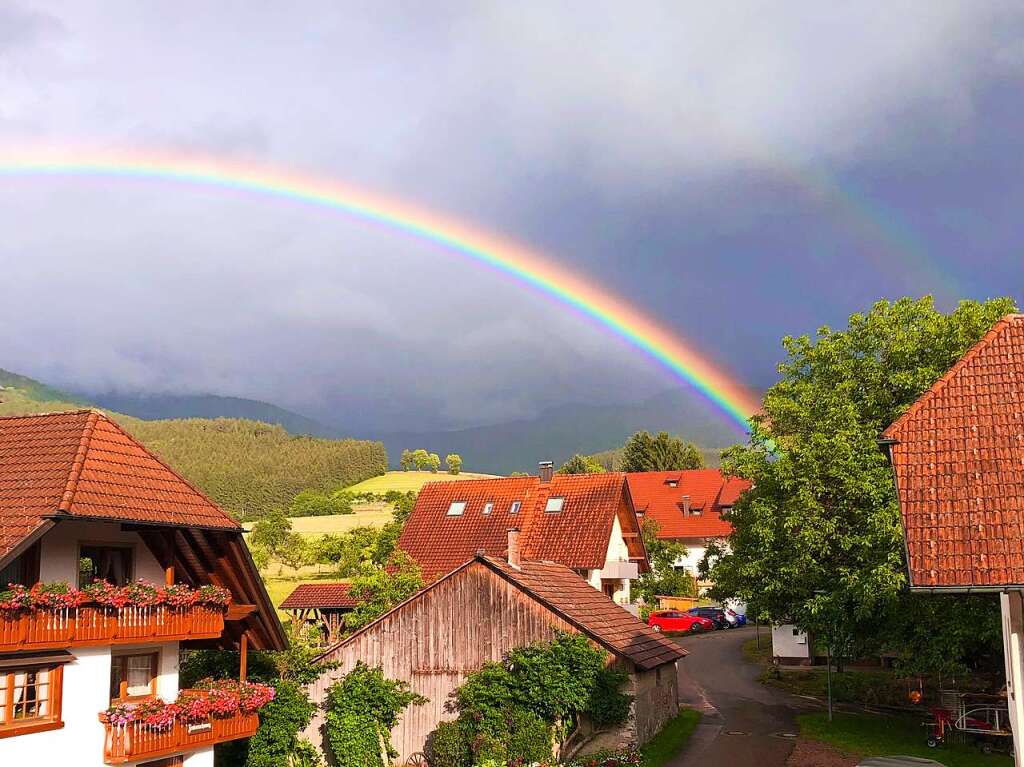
point(562, 592)
point(576, 536)
point(958, 457)
point(320, 596)
point(661, 496)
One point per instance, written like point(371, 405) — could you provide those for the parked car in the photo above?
point(737, 619)
point(678, 621)
point(714, 614)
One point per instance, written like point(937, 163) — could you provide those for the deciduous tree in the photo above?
point(581, 464)
point(659, 452)
point(454, 463)
point(818, 539)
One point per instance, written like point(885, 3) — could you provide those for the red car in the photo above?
point(677, 621)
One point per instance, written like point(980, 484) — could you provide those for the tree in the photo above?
point(270, 532)
point(406, 462)
point(663, 579)
point(310, 503)
point(421, 458)
point(434, 462)
point(378, 589)
point(454, 463)
point(295, 552)
point(581, 464)
point(817, 539)
point(662, 452)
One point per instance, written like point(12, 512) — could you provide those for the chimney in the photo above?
point(545, 469)
point(513, 547)
point(686, 505)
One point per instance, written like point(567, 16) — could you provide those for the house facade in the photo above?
point(498, 606)
point(586, 522)
point(82, 502)
point(958, 462)
point(688, 507)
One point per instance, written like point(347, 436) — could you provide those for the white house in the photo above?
point(81, 501)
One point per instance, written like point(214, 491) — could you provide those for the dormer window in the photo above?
point(488, 507)
point(514, 508)
point(554, 505)
point(672, 482)
point(457, 509)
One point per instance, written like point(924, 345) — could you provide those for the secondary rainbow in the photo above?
point(730, 396)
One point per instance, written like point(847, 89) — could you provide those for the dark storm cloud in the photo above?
point(672, 152)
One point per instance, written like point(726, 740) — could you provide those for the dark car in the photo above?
point(714, 614)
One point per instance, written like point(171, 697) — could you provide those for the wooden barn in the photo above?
point(480, 611)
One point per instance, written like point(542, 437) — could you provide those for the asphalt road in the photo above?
point(745, 724)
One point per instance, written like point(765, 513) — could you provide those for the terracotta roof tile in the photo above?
point(319, 595)
point(708, 490)
point(82, 464)
point(568, 595)
point(958, 455)
point(577, 536)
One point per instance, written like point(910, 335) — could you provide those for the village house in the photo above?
point(81, 501)
point(322, 605)
point(481, 610)
point(584, 521)
point(958, 460)
point(688, 507)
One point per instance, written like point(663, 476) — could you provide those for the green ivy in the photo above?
point(361, 709)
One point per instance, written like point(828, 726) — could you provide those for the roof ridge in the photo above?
point(49, 413)
point(986, 340)
point(79, 460)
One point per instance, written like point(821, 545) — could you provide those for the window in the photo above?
point(133, 676)
point(29, 697)
point(672, 482)
point(488, 508)
point(456, 509)
point(554, 505)
point(105, 563)
point(514, 508)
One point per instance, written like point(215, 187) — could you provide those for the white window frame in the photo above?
point(456, 509)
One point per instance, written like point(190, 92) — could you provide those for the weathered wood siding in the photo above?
point(435, 641)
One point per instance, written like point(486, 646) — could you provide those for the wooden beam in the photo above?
point(243, 665)
point(239, 612)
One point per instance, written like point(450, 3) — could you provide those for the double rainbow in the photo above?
point(730, 396)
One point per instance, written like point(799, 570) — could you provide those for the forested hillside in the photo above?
point(245, 466)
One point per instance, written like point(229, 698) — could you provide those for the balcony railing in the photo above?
point(58, 627)
point(136, 741)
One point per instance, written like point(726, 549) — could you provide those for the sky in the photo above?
point(739, 173)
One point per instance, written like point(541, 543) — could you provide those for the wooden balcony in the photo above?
point(133, 742)
point(56, 628)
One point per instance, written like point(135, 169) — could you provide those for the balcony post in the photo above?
point(244, 661)
point(169, 575)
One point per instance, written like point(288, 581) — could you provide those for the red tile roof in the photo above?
point(320, 595)
point(709, 492)
point(82, 464)
point(591, 611)
point(958, 455)
point(577, 536)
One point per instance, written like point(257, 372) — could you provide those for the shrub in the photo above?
point(529, 738)
point(449, 746)
point(607, 704)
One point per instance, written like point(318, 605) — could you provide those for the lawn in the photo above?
point(672, 738)
point(867, 735)
point(404, 481)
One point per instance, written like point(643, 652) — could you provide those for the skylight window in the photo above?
point(457, 508)
point(488, 507)
point(554, 505)
point(514, 508)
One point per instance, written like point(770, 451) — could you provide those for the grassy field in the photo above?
point(366, 514)
point(866, 735)
point(404, 481)
point(672, 738)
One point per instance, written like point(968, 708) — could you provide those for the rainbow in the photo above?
point(722, 390)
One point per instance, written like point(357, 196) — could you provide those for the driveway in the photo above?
point(745, 724)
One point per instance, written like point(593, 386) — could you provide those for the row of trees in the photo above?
point(421, 460)
point(643, 452)
point(818, 540)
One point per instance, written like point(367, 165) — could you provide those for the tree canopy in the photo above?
point(817, 539)
point(581, 464)
point(660, 452)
